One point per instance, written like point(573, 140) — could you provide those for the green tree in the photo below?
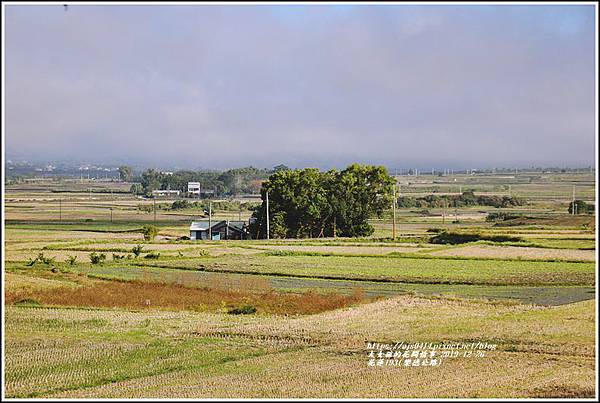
point(581, 207)
point(358, 193)
point(278, 228)
point(280, 167)
point(302, 196)
point(150, 232)
point(151, 180)
point(125, 173)
point(136, 189)
point(311, 203)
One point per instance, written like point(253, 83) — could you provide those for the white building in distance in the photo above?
point(194, 188)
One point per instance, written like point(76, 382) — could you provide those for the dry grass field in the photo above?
point(486, 251)
point(116, 353)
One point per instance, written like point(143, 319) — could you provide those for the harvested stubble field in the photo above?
point(304, 309)
point(115, 353)
point(347, 249)
point(512, 252)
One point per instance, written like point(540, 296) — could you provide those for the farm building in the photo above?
point(194, 189)
point(161, 193)
point(220, 230)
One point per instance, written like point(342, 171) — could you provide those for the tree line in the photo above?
point(306, 203)
point(229, 182)
point(467, 198)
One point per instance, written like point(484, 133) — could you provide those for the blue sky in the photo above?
point(223, 86)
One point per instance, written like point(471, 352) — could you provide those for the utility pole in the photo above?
point(267, 214)
point(210, 220)
point(444, 213)
point(573, 203)
point(111, 214)
point(154, 205)
point(394, 213)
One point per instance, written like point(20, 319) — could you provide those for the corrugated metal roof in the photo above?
point(203, 225)
point(199, 226)
point(237, 224)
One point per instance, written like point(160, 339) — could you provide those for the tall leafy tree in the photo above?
point(311, 203)
point(125, 173)
point(151, 180)
point(358, 193)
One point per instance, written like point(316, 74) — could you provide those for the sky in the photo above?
point(215, 87)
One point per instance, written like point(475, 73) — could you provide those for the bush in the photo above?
point(276, 252)
point(500, 216)
point(41, 259)
point(453, 238)
point(97, 258)
point(27, 301)
point(137, 250)
point(149, 232)
point(435, 230)
point(244, 310)
point(116, 256)
point(180, 205)
point(152, 255)
point(71, 260)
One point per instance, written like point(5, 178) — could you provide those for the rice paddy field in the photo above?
point(376, 317)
